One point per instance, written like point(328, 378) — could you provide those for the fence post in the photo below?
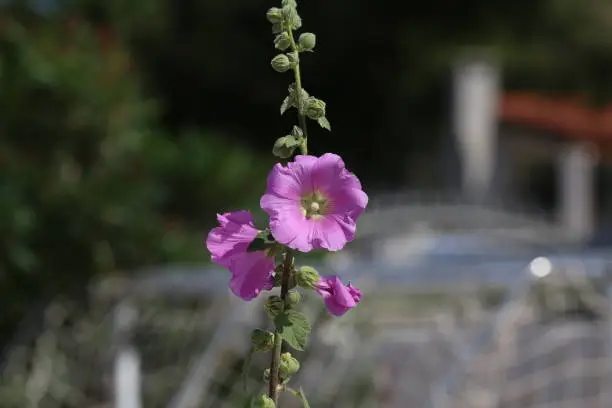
point(126, 364)
point(477, 82)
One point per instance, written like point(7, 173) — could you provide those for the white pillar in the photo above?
point(576, 185)
point(126, 370)
point(475, 119)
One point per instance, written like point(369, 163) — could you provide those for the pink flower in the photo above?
point(339, 298)
point(313, 203)
point(251, 271)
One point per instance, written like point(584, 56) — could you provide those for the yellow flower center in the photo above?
point(314, 205)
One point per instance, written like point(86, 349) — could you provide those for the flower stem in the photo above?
point(298, 91)
point(274, 388)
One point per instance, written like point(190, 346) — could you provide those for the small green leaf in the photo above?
point(282, 41)
point(324, 123)
point(285, 146)
point(299, 394)
point(297, 132)
point(277, 28)
point(293, 327)
point(287, 103)
point(264, 240)
point(302, 397)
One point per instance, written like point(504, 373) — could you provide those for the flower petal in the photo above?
point(251, 273)
point(232, 237)
point(332, 232)
point(289, 228)
point(283, 183)
point(338, 298)
point(327, 173)
point(349, 201)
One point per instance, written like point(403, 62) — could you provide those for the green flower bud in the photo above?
point(297, 132)
point(266, 375)
point(282, 41)
point(315, 108)
point(274, 15)
point(293, 297)
point(285, 146)
point(307, 41)
point(288, 365)
point(281, 63)
point(273, 306)
point(277, 28)
point(262, 340)
point(291, 3)
point(263, 401)
point(294, 57)
point(291, 17)
point(307, 277)
point(278, 276)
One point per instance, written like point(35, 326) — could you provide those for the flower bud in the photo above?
point(294, 58)
point(297, 132)
point(288, 365)
point(285, 146)
point(266, 375)
point(307, 277)
point(282, 41)
point(307, 41)
point(274, 15)
point(273, 306)
point(281, 63)
point(315, 108)
point(293, 297)
point(278, 276)
point(262, 340)
point(291, 3)
point(277, 28)
point(291, 17)
point(263, 401)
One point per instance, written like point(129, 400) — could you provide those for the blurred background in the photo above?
point(480, 130)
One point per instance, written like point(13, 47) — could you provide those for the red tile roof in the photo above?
point(570, 117)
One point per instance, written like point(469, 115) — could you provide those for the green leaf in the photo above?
point(263, 241)
point(285, 146)
point(287, 103)
point(293, 327)
point(299, 394)
point(302, 398)
point(324, 123)
point(297, 132)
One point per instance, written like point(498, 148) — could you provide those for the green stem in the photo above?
point(273, 388)
point(298, 91)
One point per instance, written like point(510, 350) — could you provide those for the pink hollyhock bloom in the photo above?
point(228, 243)
point(339, 298)
point(313, 203)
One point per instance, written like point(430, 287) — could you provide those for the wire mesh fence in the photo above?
point(542, 342)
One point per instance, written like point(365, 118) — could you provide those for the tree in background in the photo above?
point(89, 183)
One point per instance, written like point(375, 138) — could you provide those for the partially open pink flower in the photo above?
point(313, 203)
point(339, 298)
point(228, 243)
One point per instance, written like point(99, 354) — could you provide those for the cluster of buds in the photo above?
point(284, 21)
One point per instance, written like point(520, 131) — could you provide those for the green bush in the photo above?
point(89, 183)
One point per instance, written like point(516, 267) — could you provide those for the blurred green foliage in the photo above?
point(90, 183)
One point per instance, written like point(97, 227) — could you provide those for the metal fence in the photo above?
point(514, 329)
point(178, 340)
